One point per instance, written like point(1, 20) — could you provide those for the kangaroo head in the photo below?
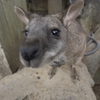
point(45, 35)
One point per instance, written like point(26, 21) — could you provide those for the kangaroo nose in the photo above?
point(29, 53)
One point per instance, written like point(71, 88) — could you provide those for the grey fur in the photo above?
point(68, 47)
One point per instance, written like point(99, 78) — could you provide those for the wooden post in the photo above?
point(10, 31)
point(54, 6)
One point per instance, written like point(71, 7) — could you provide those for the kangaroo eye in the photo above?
point(55, 32)
point(26, 32)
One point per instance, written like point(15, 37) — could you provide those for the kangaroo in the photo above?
point(52, 39)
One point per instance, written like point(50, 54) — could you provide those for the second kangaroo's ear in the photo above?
point(21, 14)
point(73, 12)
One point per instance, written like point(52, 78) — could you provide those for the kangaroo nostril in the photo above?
point(33, 54)
point(25, 56)
point(29, 53)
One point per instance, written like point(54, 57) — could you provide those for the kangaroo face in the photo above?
point(45, 39)
point(47, 36)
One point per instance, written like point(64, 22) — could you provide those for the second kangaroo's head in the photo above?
point(45, 35)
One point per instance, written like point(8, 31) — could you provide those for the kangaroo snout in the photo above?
point(29, 53)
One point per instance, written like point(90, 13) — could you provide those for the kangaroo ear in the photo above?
point(73, 12)
point(23, 15)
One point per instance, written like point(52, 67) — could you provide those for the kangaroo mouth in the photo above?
point(32, 63)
